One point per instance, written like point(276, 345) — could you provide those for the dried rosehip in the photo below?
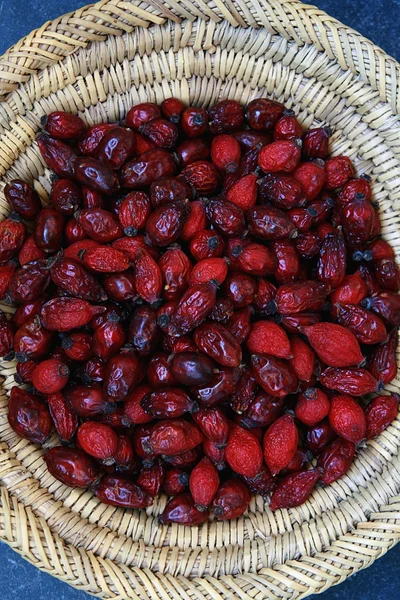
point(63, 314)
point(202, 175)
point(380, 412)
point(220, 387)
point(312, 406)
point(191, 368)
point(99, 224)
point(151, 479)
point(279, 156)
point(119, 491)
point(243, 452)
point(288, 127)
point(169, 189)
point(65, 421)
point(300, 297)
point(194, 122)
point(250, 257)
point(270, 223)
point(239, 324)
point(352, 290)
point(193, 150)
point(335, 345)
point(71, 277)
point(382, 363)
point(87, 401)
point(168, 403)
point(386, 305)
point(148, 277)
point(71, 466)
point(58, 156)
point(32, 340)
point(134, 212)
point(65, 196)
point(280, 443)
point(206, 244)
point(294, 489)
point(356, 382)
point(122, 374)
point(50, 376)
point(29, 252)
point(262, 114)
point(367, 327)
point(98, 440)
point(226, 116)
point(165, 224)
point(28, 416)
point(332, 260)
point(358, 219)
point(231, 500)
point(193, 308)
point(63, 125)
point(347, 418)
point(335, 460)
point(267, 337)
point(316, 142)
point(22, 198)
point(387, 274)
point(203, 483)
point(174, 437)
point(262, 411)
point(141, 172)
point(215, 340)
point(338, 170)
point(182, 509)
point(311, 176)
point(120, 287)
point(104, 259)
point(319, 436)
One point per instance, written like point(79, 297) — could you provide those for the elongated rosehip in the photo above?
point(280, 443)
point(335, 345)
point(358, 221)
point(202, 175)
point(159, 374)
point(275, 375)
point(267, 337)
point(270, 223)
point(352, 290)
point(119, 491)
point(116, 147)
point(86, 401)
point(239, 324)
point(332, 260)
point(57, 155)
point(22, 198)
point(288, 261)
point(303, 360)
point(387, 306)
point(252, 258)
point(215, 340)
point(207, 269)
point(71, 466)
point(367, 327)
point(151, 478)
point(64, 126)
point(98, 440)
point(300, 297)
point(203, 483)
point(167, 403)
point(122, 375)
point(143, 330)
point(191, 368)
point(70, 276)
point(380, 412)
point(29, 282)
point(231, 500)
point(28, 416)
point(220, 387)
point(193, 308)
point(132, 407)
point(226, 115)
point(240, 288)
point(63, 314)
point(283, 155)
point(243, 452)
point(148, 277)
point(226, 217)
point(383, 361)
point(190, 151)
point(140, 172)
point(308, 244)
point(99, 224)
point(356, 382)
point(294, 489)
point(164, 224)
point(134, 212)
point(335, 460)
point(213, 423)
point(174, 437)
point(108, 339)
point(225, 153)
point(347, 418)
point(181, 509)
point(124, 455)
point(65, 421)
point(48, 230)
point(215, 452)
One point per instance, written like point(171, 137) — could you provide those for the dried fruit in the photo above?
point(22, 198)
point(71, 466)
point(243, 452)
point(280, 443)
point(347, 418)
point(266, 337)
point(203, 483)
point(98, 440)
point(294, 489)
point(174, 437)
point(380, 412)
point(215, 340)
point(181, 509)
point(63, 314)
point(65, 421)
point(335, 345)
point(312, 406)
point(335, 460)
point(50, 376)
point(119, 491)
point(275, 375)
point(231, 500)
point(28, 416)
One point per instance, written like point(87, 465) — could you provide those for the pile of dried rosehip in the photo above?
point(201, 307)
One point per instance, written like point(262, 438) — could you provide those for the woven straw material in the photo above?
point(97, 62)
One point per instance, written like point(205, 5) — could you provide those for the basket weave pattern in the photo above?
point(97, 62)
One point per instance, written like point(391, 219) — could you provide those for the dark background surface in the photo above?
point(379, 21)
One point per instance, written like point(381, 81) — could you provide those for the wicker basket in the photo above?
point(99, 61)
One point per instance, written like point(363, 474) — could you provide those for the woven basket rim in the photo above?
point(22, 67)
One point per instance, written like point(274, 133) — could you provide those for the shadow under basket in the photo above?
point(98, 62)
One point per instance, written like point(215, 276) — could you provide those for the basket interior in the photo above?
point(201, 63)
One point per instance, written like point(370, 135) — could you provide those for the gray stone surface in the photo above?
point(377, 20)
